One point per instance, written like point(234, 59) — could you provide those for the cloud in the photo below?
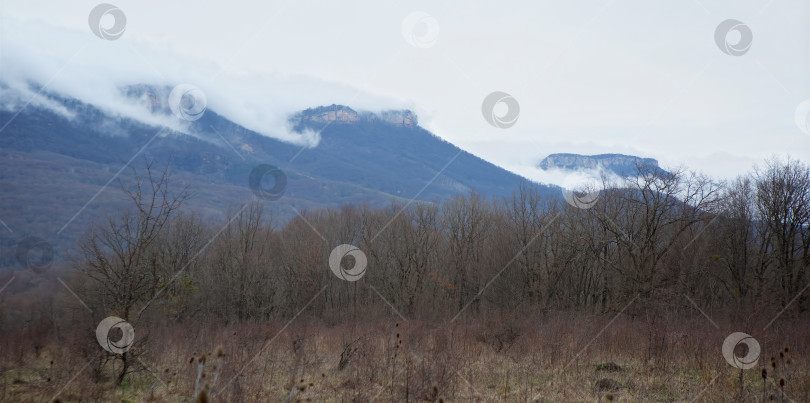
point(76, 64)
point(15, 95)
point(625, 76)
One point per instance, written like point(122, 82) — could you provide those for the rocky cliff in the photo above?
point(344, 115)
point(619, 163)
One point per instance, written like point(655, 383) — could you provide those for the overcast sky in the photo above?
point(630, 76)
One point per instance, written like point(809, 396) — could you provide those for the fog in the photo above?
point(591, 77)
point(40, 57)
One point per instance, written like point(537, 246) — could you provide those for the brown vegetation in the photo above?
point(468, 299)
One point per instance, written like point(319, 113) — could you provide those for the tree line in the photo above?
point(657, 237)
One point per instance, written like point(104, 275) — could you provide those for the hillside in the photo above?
point(62, 171)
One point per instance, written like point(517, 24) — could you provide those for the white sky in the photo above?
point(630, 76)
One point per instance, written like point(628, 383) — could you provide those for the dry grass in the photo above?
point(503, 359)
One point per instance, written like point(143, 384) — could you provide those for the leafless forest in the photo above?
point(521, 299)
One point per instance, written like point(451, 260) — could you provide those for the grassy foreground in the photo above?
point(593, 358)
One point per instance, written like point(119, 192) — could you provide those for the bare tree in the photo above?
point(118, 258)
point(240, 277)
point(655, 211)
point(783, 203)
point(467, 223)
point(741, 252)
point(177, 264)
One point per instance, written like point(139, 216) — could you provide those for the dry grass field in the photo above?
point(505, 358)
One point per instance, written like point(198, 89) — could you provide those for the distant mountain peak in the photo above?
point(156, 100)
point(624, 165)
point(342, 114)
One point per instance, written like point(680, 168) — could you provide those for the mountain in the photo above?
point(620, 164)
point(345, 115)
point(63, 168)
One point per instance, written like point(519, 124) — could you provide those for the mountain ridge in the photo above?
point(620, 164)
point(373, 158)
